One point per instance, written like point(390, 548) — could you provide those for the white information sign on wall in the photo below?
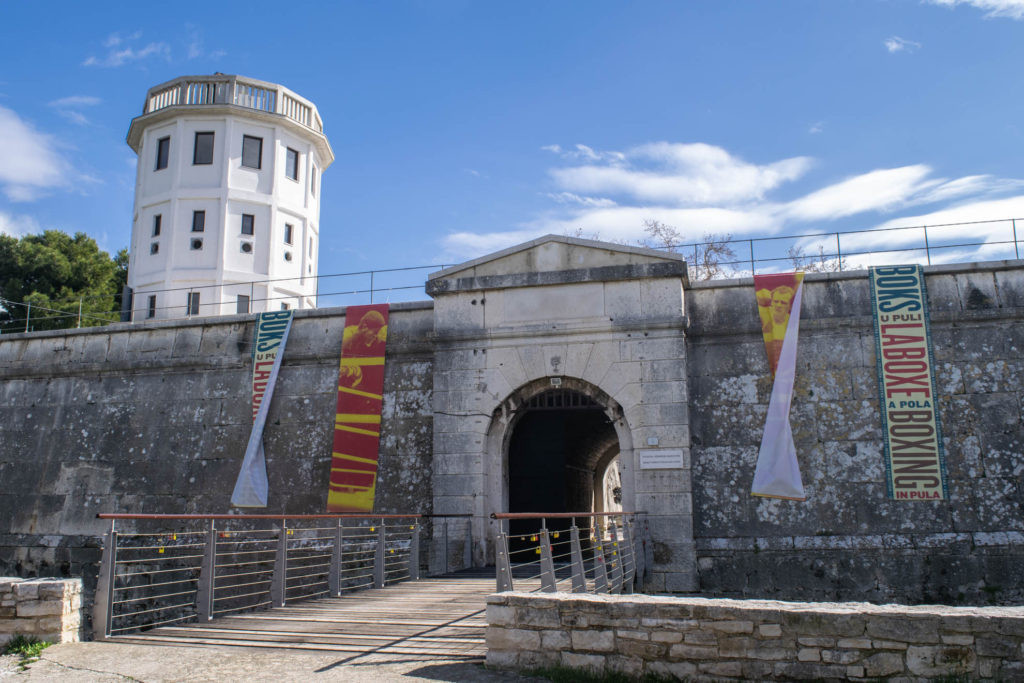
point(660, 458)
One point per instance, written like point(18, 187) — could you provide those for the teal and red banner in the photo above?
point(914, 460)
point(357, 420)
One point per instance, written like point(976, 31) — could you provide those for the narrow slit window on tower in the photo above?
point(243, 304)
point(289, 231)
point(198, 221)
point(202, 153)
point(284, 306)
point(151, 313)
point(163, 152)
point(291, 164)
point(247, 224)
point(157, 221)
point(312, 181)
point(252, 151)
point(193, 304)
point(154, 248)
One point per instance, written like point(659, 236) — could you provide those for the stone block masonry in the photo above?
point(49, 609)
point(712, 640)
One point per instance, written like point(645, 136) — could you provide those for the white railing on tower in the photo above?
point(236, 90)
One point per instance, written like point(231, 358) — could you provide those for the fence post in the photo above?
point(547, 565)
point(504, 568)
point(378, 558)
point(628, 551)
point(28, 314)
point(278, 593)
point(445, 545)
point(600, 569)
point(752, 269)
point(102, 609)
point(371, 286)
point(616, 578)
point(204, 594)
point(334, 578)
point(839, 252)
point(467, 548)
point(927, 249)
point(414, 553)
point(79, 312)
point(1016, 249)
point(579, 579)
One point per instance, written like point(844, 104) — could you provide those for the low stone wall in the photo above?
point(709, 639)
point(49, 609)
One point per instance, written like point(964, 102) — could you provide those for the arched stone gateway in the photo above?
point(575, 350)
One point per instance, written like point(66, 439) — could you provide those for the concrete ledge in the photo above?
point(49, 609)
point(710, 639)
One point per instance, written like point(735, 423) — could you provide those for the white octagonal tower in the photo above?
point(227, 198)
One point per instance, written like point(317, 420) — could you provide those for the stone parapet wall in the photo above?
point(49, 609)
point(709, 639)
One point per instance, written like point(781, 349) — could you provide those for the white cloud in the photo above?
point(816, 127)
point(700, 189)
point(68, 107)
point(674, 173)
point(119, 54)
point(1012, 9)
point(18, 225)
point(30, 163)
point(897, 44)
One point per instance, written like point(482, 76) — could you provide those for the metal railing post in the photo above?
point(334, 577)
point(628, 552)
point(579, 579)
point(378, 557)
point(547, 565)
point(278, 583)
point(207, 571)
point(1016, 249)
point(371, 286)
point(600, 569)
point(445, 545)
point(467, 549)
point(839, 252)
point(927, 249)
point(504, 567)
point(616, 578)
point(752, 266)
point(28, 314)
point(414, 553)
point(102, 610)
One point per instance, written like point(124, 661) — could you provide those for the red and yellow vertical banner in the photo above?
point(357, 419)
point(777, 474)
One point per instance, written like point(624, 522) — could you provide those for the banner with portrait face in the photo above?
point(777, 474)
point(357, 421)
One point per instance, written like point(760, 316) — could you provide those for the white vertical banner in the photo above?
point(269, 339)
point(777, 474)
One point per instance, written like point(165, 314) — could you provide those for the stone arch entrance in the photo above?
point(550, 447)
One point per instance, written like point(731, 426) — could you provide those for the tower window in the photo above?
point(192, 307)
point(247, 224)
point(202, 153)
point(310, 247)
point(154, 248)
point(243, 304)
point(151, 313)
point(252, 151)
point(163, 152)
point(198, 221)
point(246, 247)
point(291, 164)
point(197, 244)
point(312, 181)
point(289, 229)
point(284, 306)
point(157, 221)
point(287, 256)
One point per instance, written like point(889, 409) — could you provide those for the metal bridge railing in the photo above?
point(551, 552)
point(197, 567)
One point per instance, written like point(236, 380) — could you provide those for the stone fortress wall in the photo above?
point(849, 541)
point(154, 418)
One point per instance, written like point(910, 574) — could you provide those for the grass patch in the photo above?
point(26, 647)
point(565, 674)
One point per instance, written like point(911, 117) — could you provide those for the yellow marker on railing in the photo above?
point(174, 537)
point(555, 535)
point(533, 538)
point(537, 551)
point(161, 551)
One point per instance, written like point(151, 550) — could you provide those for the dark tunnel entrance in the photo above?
point(562, 457)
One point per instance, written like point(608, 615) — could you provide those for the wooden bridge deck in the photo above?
point(435, 617)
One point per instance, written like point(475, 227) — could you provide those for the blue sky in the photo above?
point(464, 127)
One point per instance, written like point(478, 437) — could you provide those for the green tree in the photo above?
point(56, 273)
